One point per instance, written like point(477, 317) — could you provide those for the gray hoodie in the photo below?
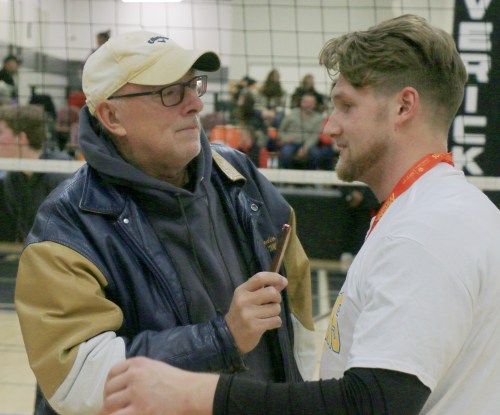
point(191, 224)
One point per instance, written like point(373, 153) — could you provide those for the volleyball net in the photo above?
point(52, 39)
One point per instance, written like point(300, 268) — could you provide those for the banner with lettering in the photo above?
point(475, 136)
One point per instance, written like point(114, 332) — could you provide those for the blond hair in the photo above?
point(404, 51)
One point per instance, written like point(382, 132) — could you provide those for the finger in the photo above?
point(282, 284)
point(116, 402)
point(269, 323)
point(118, 369)
point(117, 377)
point(115, 383)
point(263, 279)
point(123, 411)
point(266, 295)
point(267, 311)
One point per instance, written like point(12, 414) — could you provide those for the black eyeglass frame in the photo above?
point(185, 85)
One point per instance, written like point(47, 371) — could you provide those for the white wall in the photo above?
point(252, 36)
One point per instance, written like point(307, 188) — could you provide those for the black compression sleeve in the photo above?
point(360, 392)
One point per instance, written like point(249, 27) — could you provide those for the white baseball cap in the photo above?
point(140, 57)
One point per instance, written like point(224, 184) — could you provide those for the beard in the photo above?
point(354, 167)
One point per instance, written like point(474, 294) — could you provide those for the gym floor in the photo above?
point(17, 382)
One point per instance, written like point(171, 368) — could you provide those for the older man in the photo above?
point(160, 245)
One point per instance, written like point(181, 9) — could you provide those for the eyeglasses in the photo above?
point(173, 94)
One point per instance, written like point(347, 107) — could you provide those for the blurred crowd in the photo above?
point(273, 127)
point(37, 130)
point(61, 122)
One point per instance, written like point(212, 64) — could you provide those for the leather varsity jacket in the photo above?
point(95, 286)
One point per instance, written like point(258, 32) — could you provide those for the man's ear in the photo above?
point(109, 117)
point(408, 105)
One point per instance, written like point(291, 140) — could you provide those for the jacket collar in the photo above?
point(101, 197)
point(227, 168)
point(98, 196)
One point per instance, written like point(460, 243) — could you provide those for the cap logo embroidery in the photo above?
point(161, 39)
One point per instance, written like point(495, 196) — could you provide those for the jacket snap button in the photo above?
point(254, 207)
point(126, 220)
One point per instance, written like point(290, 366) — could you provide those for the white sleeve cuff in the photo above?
point(82, 391)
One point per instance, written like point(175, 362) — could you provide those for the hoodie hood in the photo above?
point(101, 154)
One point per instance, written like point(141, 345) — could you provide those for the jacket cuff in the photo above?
point(233, 358)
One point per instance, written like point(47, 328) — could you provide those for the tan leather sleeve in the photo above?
point(60, 303)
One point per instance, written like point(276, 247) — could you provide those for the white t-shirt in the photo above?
point(423, 296)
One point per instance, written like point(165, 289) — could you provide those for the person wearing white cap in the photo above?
point(160, 245)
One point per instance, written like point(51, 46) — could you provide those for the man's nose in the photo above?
point(192, 101)
point(331, 128)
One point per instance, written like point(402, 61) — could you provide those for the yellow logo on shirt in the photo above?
point(332, 338)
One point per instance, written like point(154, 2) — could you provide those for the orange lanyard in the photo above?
point(411, 176)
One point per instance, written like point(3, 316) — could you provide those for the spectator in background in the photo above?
point(45, 102)
point(67, 123)
point(299, 133)
point(8, 74)
point(246, 115)
point(22, 135)
point(7, 230)
point(249, 144)
point(361, 206)
point(246, 85)
point(307, 86)
point(102, 38)
point(327, 152)
point(271, 99)
point(5, 93)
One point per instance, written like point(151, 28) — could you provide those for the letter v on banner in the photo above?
point(477, 8)
point(475, 136)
